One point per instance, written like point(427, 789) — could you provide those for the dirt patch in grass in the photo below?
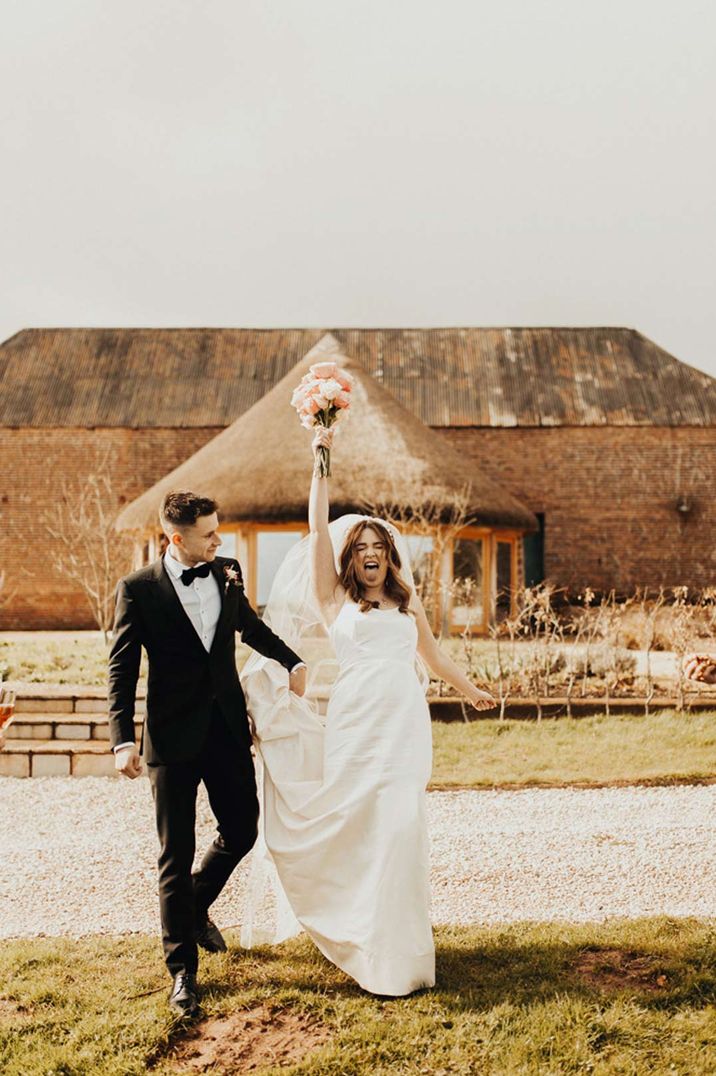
point(619, 969)
point(14, 1013)
point(247, 1040)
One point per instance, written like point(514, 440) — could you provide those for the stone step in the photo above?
point(56, 758)
point(61, 726)
point(72, 704)
point(97, 707)
point(49, 724)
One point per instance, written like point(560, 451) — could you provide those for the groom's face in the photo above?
point(199, 542)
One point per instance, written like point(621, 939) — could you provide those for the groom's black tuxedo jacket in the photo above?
point(184, 679)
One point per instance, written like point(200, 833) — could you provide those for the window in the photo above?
point(228, 544)
point(505, 581)
point(534, 554)
point(468, 605)
point(271, 547)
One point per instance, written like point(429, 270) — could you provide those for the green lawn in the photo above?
point(54, 657)
point(624, 997)
point(79, 657)
point(665, 746)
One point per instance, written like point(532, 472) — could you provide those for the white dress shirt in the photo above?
point(201, 600)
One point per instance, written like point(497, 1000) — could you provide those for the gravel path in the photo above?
point(77, 856)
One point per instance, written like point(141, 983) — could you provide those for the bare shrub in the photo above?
point(579, 633)
point(507, 672)
point(682, 635)
point(610, 663)
point(542, 649)
point(431, 521)
point(650, 612)
point(90, 552)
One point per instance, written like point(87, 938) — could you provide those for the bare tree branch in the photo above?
point(90, 552)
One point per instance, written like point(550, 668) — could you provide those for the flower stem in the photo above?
point(323, 462)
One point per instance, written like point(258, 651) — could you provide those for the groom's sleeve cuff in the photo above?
point(298, 665)
point(129, 743)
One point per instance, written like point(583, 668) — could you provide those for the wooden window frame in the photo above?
point(247, 553)
point(489, 538)
point(510, 538)
point(473, 534)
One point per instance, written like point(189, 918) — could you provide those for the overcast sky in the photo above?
point(382, 163)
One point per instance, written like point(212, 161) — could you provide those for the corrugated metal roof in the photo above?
point(447, 377)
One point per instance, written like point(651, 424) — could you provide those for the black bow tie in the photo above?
point(190, 574)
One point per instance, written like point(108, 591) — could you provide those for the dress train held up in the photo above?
point(344, 805)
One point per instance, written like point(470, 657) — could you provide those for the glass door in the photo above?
point(467, 606)
point(504, 583)
point(271, 547)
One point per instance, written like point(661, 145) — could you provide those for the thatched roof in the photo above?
point(140, 378)
point(260, 467)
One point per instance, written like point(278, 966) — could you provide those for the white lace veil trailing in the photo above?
point(288, 730)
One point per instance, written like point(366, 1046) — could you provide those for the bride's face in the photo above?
point(370, 556)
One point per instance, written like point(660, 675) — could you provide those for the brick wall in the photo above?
point(608, 496)
point(34, 463)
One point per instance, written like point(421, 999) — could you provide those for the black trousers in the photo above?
point(226, 767)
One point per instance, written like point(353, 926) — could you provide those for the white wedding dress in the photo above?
point(343, 806)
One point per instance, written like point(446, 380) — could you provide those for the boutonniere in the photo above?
point(233, 578)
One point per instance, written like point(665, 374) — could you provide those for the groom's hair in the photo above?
point(182, 509)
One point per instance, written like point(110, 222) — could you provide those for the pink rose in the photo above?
point(314, 387)
point(309, 406)
point(342, 400)
point(330, 388)
point(324, 369)
point(344, 380)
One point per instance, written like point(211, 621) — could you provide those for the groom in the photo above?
point(184, 610)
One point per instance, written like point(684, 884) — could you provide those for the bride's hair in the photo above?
point(395, 588)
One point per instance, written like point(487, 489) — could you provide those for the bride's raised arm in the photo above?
point(324, 578)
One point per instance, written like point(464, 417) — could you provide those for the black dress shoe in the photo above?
point(184, 998)
point(208, 936)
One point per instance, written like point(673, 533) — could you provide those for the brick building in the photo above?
point(608, 439)
point(460, 526)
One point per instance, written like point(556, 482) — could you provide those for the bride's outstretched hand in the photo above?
point(482, 700)
point(323, 438)
point(700, 667)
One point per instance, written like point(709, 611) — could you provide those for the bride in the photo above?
point(344, 805)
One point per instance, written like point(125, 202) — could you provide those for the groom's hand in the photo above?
point(297, 681)
point(127, 761)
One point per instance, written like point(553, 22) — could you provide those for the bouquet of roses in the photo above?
point(323, 396)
